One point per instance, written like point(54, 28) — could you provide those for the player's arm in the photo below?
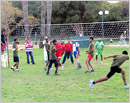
point(102, 47)
point(110, 56)
point(57, 49)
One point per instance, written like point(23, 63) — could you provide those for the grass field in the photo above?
point(32, 84)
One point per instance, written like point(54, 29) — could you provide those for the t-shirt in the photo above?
point(58, 45)
point(75, 46)
point(119, 59)
point(27, 44)
point(15, 52)
point(52, 52)
point(99, 45)
point(63, 48)
point(90, 48)
point(68, 47)
point(47, 46)
point(2, 38)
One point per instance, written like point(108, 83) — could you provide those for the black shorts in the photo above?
point(53, 61)
point(114, 70)
point(16, 59)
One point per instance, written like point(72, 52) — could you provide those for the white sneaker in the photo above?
point(126, 86)
point(50, 69)
point(62, 67)
point(101, 62)
point(96, 61)
point(45, 68)
point(91, 84)
point(17, 70)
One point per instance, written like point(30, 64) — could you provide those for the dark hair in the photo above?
point(54, 41)
point(125, 52)
point(15, 39)
point(3, 30)
point(91, 38)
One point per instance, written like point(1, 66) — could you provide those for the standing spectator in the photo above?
point(100, 47)
point(28, 47)
point(68, 51)
point(15, 55)
point(3, 43)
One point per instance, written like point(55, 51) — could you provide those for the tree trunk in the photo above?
point(49, 12)
point(25, 16)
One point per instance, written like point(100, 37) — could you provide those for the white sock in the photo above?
point(12, 67)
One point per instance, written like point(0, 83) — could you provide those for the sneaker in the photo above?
point(92, 70)
point(126, 86)
point(101, 62)
point(50, 69)
point(96, 61)
point(78, 68)
point(45, 68)
point(91, 84)
point(17, 70)
point(88, 72)
point(56, 74)
point(62, 67)
point(12, 68)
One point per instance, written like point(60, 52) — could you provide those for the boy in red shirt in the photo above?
point(68, 51)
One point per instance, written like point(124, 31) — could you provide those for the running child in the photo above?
point(76, 52)
point(53, 57)
point(90, 53)
point(115, 68)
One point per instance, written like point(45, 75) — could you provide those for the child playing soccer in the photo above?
point(90, 53)
point(53, 57)
point(76, 52)
point(115, 68)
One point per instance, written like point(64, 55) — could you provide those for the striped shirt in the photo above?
point(27, 44)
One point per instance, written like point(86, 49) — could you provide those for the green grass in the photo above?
point(32, 85)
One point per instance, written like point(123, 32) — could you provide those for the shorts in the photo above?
point(114, 70)
point(59, 55)
point(99, 52)
point(90, 57)
point(75, 53)
point(2, 47)
point(53, 61)
point(16, 59)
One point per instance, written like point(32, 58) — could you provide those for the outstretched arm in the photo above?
point(110, 56)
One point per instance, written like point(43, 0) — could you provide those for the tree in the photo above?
point(25, 16)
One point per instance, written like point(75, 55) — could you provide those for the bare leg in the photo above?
point(47, 63)
point(87, 63)
point(96, 57)
point(101, 57)
point(90, 64)
point(17, 64)
point(123, 76)
point(78, 62)
point(101, 80)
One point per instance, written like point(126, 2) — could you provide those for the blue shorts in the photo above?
point(53, 61)
point(16, 59)
point(75, 53)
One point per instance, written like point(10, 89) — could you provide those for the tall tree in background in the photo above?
point(25, 16)
point(49, 13)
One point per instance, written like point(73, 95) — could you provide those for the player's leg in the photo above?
point(50, 64)
point(64, 59)
point(47, 62)
point(110, 74)
point(87, 63)
point(91, 66)
point(17, 65)
point(71, 57)
point(78, 62)
point(101, 56)
point(97, 52)
point(56, 66)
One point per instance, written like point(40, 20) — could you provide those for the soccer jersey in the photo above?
point(15, 52)
point(52, 52)
point(59, 52)
point(119, 59)
point(68, 47)
point(99, 45)
point(75, 46)
point(90, 48)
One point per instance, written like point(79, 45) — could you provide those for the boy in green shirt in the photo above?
point(90, 53)
point(99, 46)
point(52, 57)
point(115, 68)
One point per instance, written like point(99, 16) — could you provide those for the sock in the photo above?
point(55, 71)
point(12, 67)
